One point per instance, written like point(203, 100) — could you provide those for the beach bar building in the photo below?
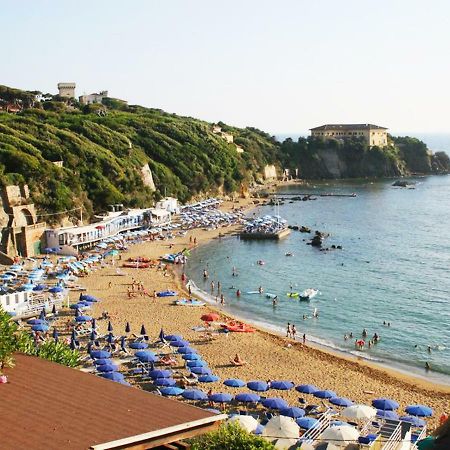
point(48, 406)
point(72, 239)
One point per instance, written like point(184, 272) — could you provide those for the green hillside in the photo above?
point(103, 156)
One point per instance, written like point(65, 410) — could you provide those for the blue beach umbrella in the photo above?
point(293, 412)
point(307, 422)
point(114, 376)
point(234, 382)
point(221, 398)
point(88, 298)
point(274, 403)
point(196, 363)
point(282, 385)
point(138, 345)
point(102, 361)
point(385, 403)
point(387, 414)
point(39, 287)
point(160, 374)
point(94, 324)
point(179, 343)
point(340, 401)
point(55, 289)
point(191, 357)
point(42, 314)
point(83, 318)
point(247, 397)
point(208, 378)
point(325, 394)
point(174, 337)
point(100, 354)
point(149, 357)
point(258, 386)
point(40, 327)
point(194, 394)
point(201, 370)
point(164, 382)
point(142, 353)
point(415, 421)
point(162, 337)
point(185, 350)
point(171, 391)
point(307, 388)
point(107, 367)
point(36, 322)
point(419, 410)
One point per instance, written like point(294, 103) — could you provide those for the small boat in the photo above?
point(253, 292)
point(189, 302)
point(289, 254)
point(166, 294)
point(269, 295)
point(308, 294)
point(293, 294)
point(260, 262)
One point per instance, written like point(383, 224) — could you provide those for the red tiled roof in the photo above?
point(48, 406)
point(356, 126)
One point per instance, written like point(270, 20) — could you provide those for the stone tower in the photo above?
point(66, 90)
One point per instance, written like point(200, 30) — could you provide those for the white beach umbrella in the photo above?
point(248, 423)
point(344, 434)
point(359, 412)
point(285, 444)
point(281, 427)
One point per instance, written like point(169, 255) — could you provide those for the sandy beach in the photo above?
point(267, 355)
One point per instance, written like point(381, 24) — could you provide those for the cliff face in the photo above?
point(353, 159)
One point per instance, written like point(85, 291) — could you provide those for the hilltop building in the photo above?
point(374, 135)
point(67, 90)
point(93, 98)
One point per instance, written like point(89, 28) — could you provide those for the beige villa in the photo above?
point(374, 135)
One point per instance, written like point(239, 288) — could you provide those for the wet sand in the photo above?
point(266, 354)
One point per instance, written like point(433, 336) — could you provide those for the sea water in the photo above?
point(394, 268)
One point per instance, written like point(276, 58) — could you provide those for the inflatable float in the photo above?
point(166, 294)
point(186, 302)
point(293, 294)
point(239, 328)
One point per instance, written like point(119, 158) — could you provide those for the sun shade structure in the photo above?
point(258, 386)
point(359, 412)
point(293, 411)
point(385, 403)
point(281, 427)
point(325, 394)
point(419, 410)
point(234, 382)
point(413, 420)
point(248, 423)
point(306, 388)
point(281, 385)
point(113, 417)
point(248, 397)
point(343, 434)
point(307, 422)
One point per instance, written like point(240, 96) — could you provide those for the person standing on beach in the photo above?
point(222, 300)
point(212, 287)
point(304, 338)
point(293, 331)
point(288, 330)
point(218, 287)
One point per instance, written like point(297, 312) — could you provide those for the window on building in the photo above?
point(17, 298)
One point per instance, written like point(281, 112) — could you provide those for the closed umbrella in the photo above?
point(94, 324)
point(343, 434)
point(162, 337)
point(110, 338)
point(143, 331)
point(54, 309)
point(258, 386)
point(110, 327)
point(282, 385)
point(274, 403)
point(220, 398)
point(248, 423)
point(293, 412)
point(281, 427)
point(93, 335)
point(385, 403)
point(340, 401)
point(171, 391)
point(307, 422)
point(325, 394)
point(127, 327)
point(194, 394)
point(306, 388)
point(359, 412)
point(208, 378)
point(234, 382)
point(419, 410)
point(247, 397)
point(42, 314)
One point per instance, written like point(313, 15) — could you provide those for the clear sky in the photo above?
point(282, 66)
